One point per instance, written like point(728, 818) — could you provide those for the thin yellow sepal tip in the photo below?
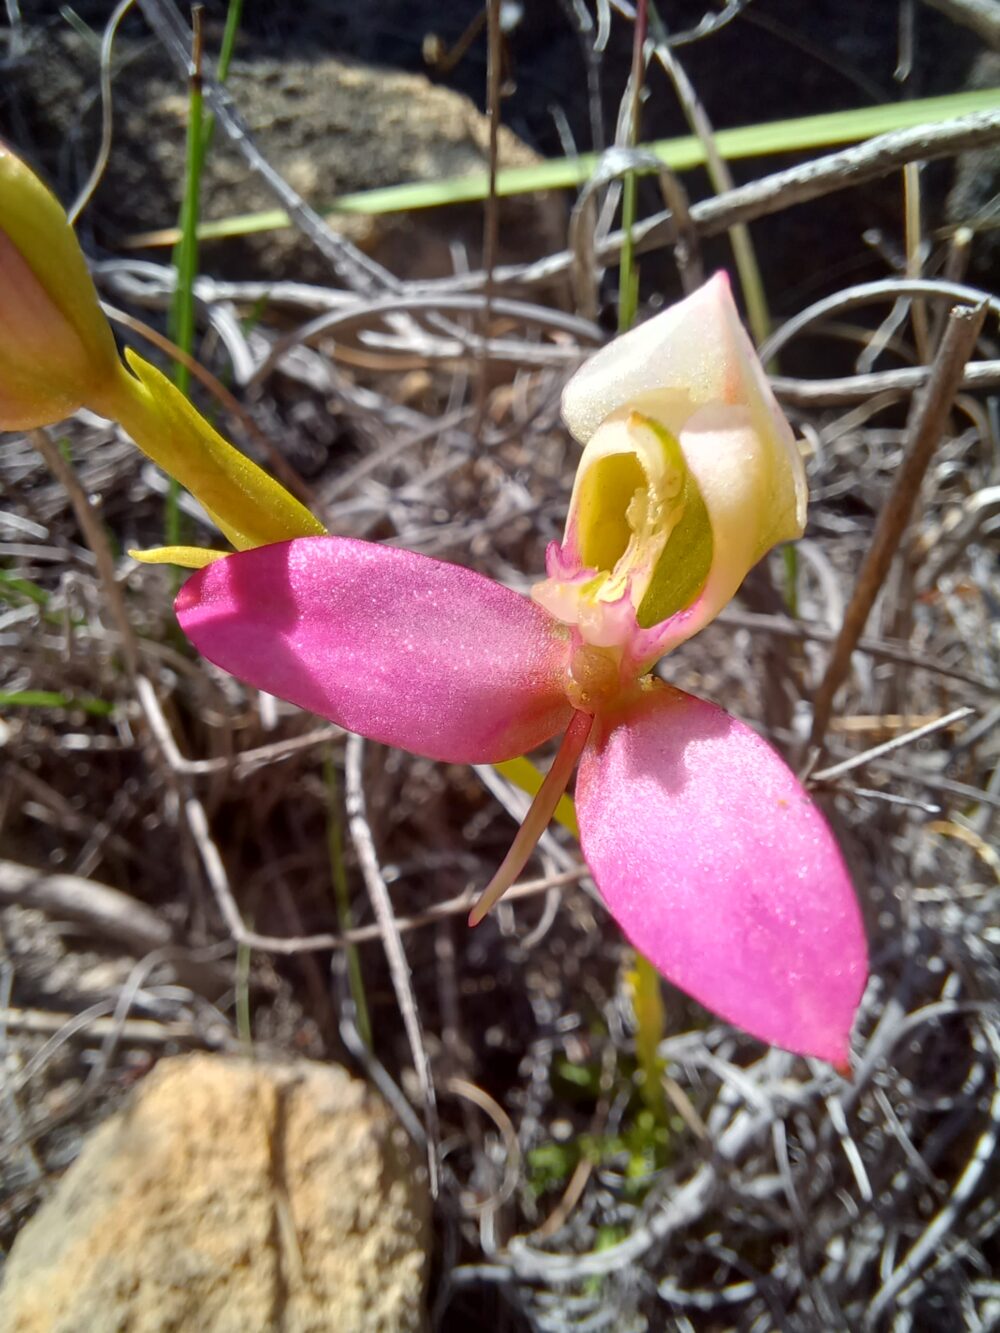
point(188, 557)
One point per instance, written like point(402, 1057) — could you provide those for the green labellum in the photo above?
point(685, 561)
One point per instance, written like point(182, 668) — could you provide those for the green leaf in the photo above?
point(681, 154)
point(54, 699)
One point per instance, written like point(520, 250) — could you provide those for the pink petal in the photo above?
point(718, 867)
point(407, 650)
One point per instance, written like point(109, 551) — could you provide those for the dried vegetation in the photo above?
point(772, 1194)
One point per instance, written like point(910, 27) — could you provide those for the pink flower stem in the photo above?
point(539, 814)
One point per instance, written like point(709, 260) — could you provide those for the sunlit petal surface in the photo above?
point(719, 868)
point(406, 650)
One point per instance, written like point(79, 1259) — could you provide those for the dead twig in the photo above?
point(143, 1031)
point(471, 1092)
point(617, 162)
point(96, 540)
point(881, 649)
point(342, 319)
point(399, 968)
point(871, 293)
point(108, 914)
point(927, 424)
point(104, 152)
point(982, 16)
point(845, 169)
point(350, 264)
point(964, 1189)
point(861, 388)
point(889, 747)
point(491, 205)
point(718, 173)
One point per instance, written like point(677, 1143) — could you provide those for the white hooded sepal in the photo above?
point(695, 355)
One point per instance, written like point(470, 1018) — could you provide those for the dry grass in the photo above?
point(779, 1196)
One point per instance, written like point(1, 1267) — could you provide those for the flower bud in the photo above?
point(55, 344)
point(57, 354)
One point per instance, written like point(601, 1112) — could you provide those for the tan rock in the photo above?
point(230, 1197)
point(331, 127)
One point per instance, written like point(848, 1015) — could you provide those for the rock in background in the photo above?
point(329, 126)
point(231, 1196)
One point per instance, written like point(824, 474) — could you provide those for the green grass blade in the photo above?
point(233, 15)
point(185, 260)
point(781, 136)
point(18, 591)
point(55, 699)
point(646, 994)
point(200, 128)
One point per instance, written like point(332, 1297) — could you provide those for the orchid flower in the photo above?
point(704, 846)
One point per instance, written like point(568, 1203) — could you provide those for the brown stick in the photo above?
point(982, 16)
point(90, 526)
point(927, 422)
point(109, 915)
point(491, 207)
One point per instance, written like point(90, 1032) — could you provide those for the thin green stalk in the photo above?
point(751, 282)
point(643, 980)
point(342, 897)
point(650, 1021)
point(244, 1029)
point(185, 256)
point(17, 592)
point(233, 15)
point(200, 128)
point(14, 589)
point(628, 269)
point(186, 251)
point(758, 311)
point(55, 699)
